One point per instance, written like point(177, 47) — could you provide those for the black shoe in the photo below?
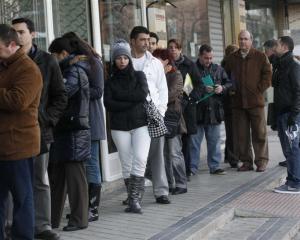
point(233, 165)
point(48, 235)
point(171, 190)
point(218, 172)
point(71, 228)
point(163, 200)
point(179, 190)
point(282, 164)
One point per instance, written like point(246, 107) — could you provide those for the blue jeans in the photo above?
point(93, 172)
point(291, 152)
point(17, 177)
point(212, 135)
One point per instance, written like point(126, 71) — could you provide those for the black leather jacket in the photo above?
point(211, 110)
point(286, 83)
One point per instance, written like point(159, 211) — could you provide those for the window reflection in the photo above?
point(32, 9)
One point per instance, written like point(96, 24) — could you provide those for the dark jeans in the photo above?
point(16, 177)
point(291, 152)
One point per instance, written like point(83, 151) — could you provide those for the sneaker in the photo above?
point(287, 189)
point(218, 172)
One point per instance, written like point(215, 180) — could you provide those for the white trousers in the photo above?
point(133, 147)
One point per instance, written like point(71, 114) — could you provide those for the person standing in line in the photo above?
point(251, 71)
point(72, 140)
point(174, 160)
point(153, 43)
point(94, 71)
point(210, 112)
point(231, 154)
point(270, 50)
point(53, 102)
point(124, 97)
point(20, 90)
point(156, 79)
point(187, 67)
point(286, 83)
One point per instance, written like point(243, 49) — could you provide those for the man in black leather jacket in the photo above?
point(286, 83)
point(210, 112)
point(53, 102)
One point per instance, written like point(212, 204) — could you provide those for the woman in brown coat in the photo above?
point(174, 160)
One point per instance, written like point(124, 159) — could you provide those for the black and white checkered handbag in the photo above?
point(156, 125)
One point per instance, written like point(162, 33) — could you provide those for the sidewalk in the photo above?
point(208, 197)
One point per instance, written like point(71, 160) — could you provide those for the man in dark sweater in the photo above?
point(53, 102)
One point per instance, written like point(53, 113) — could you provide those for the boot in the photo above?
point(136, 185)
point(141, 195)
point(94, 201)
point(126, 201)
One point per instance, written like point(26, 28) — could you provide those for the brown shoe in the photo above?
point(261, 168)
point(245, 168)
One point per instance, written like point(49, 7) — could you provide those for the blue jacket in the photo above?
point(72, 139)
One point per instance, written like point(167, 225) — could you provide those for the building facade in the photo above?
point(193, 22)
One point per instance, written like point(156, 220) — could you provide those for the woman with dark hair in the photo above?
point(188, 70)
point(124, 97)
point(94, 71)
point(174, 160)
point(72, 141)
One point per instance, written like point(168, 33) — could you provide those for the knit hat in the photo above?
point(120, 47)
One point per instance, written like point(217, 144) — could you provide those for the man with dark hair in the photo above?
point(251, 72)
point(153, 44)
point(53, 102)
point(209, 111)
point(157, 83)
point(20, 90)
point(269, 47)
point(286, 83)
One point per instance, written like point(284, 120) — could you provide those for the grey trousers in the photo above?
point(174, 160)
point(157, 165)
point(42, 198)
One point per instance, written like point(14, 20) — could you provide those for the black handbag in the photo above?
point(190, 117)
point(172, 122)
point(156, 125)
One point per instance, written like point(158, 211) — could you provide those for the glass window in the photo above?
point(261, 23)
point(32, 9)
point(117, 20)
point(72, 16)
point(189, 24)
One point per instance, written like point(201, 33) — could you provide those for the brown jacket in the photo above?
point(250, 76)
point(20, 90)
point(175, 91)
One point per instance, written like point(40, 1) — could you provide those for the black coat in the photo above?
point(124, 99)
point(72, 139)
point(54, 98)
point(210, 110)
point(286, 83)
point(187, 66)
point(96, 82)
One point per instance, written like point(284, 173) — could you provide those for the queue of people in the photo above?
point(53, 121)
